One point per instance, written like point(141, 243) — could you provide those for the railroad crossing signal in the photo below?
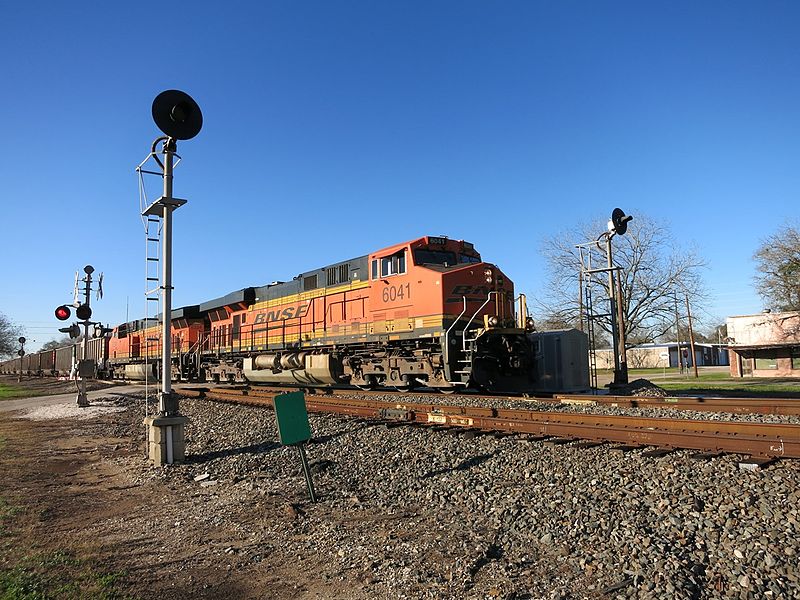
point(63, 312)
point(73, 330)
point(100, 331)
point(84, 312)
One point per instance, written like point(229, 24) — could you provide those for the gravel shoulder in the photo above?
point(405, 512)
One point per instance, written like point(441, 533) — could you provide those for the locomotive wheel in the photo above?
point(406, 384)
point(448, 391)
point(371, 383)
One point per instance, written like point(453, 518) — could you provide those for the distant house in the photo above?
point(657, 356)
point(765, 345)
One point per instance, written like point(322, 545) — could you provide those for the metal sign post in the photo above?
point(294, 429)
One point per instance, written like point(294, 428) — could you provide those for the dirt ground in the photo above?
point(76, 523)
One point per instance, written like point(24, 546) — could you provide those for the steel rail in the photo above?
point(763, 440)
point(764, 406)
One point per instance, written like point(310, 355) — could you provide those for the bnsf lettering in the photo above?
point(470, 290)
point(292, 312)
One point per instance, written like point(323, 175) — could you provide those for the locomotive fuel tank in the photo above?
point(141, 371)
point(299, 368)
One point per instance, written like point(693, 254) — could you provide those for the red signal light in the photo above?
point(63, 313)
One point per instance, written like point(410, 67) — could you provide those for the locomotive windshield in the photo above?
point(435, 257)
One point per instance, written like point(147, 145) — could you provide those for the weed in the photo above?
point(58, 574)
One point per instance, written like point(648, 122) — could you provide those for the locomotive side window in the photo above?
point(375, 269)
point(465, 258)
point(394, 264)
point(434, 257)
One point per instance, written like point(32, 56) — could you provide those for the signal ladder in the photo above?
point(586, 276)
point(152, 293)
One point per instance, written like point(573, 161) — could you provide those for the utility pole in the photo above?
point(691, 336)
point(678, 336)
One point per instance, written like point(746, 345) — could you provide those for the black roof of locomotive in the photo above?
point(243, 296)
point(357, 270)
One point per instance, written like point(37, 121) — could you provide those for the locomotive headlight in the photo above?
point(489, 274)
point(493, 321)
point(529, 324)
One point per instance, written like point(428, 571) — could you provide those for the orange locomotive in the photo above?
point(134, 348)
point(426, 312)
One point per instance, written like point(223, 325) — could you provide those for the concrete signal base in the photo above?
point(165, 439)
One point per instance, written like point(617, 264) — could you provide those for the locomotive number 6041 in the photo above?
point(392, 293)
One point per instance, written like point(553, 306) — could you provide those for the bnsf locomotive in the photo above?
point(427, 312)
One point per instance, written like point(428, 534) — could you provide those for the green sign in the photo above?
point(292, 416)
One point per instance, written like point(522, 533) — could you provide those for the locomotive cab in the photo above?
point(439, 288)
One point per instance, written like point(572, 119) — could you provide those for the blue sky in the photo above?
point(336, 128)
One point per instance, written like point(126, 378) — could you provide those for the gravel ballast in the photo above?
point(412, 513)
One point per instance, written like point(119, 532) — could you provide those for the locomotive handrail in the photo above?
point(447, 333)
point(446, 345)
point(464, 337)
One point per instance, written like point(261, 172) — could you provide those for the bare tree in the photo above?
point(60, 343)
point(9, 334)
point(778, 267)
point(654, 270)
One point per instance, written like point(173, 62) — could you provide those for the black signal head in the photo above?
point(620, 221)
point(177, 115)
point(84, 312)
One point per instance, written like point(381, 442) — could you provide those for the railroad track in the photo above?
point(763, 406)
point(763, 442)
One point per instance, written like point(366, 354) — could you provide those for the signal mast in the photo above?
point(85, 367)
point(179, 117)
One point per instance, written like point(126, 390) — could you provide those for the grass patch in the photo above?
point(9, 392)
point(718, 383)
point(6, 513)
point(734, 387)
point(58, 575)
